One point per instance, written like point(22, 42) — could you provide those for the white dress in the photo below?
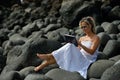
point(71, 58)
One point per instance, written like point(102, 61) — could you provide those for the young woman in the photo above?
point(72, 58)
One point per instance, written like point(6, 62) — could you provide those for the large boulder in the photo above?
point(73, 11)
point(59, 74)
point(12, 75)
point(112, 48)
point(97, 68)
point(104, 38)
point(112, 73)
point(37, 77)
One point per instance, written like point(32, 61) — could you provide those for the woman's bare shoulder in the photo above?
point(96, 38)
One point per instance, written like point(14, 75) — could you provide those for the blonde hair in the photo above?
point(90, 20)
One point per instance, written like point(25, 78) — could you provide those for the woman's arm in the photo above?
point(92, 49)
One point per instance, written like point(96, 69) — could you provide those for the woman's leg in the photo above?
point(48, 59)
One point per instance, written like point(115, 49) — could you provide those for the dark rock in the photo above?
point(112, 73)
point(17, 28)
point(52, 27)
point(26, 71)
point(101, 56)
point(104, 37)
point(59, 74)
point(118, 39)
point(28, 29)
point(3, 35)
point(115, 58)
point(57, 34)
point(113, 36)
point(15, 56)
point(116, 22)
point(12, 75)
point(94, 79)
point(17, 42)
point(105, 9)
point(53, 20)
point(2, 62)
point(112, 48)
point(119, 27)
point(54, 35)
point(11, 2)
point(73, 12)
point(7, 47)
point(37, 77)
point(17, 39)
point(114, 13)
point(25, 29)
point(98, 29)
point(97, 68)
point(40, 24)
point(114, 2)
point(118, 35)
point(1, 51)
point(67, 11)
point(110, 28)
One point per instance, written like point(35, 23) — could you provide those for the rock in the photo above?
point(28, 29)
point(101, 56)
point(114, 13)
point(112, 48)
point(2, 62)
point(104, 37)
point(97, 68)
point(54, 35)
point(52, 27)
point(11, 75)
point(110, 28)
point(1, 51)
point(115, 58)
point(37, 26)
point(59, 74)
point(3, 35)
point(113, 36)
point(94, 79)
point(99, 29)
point(112, 73)
point(26, 71)
point(68, 8)
point(37, 77)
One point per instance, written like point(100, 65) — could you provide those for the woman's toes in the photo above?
point(36, 69)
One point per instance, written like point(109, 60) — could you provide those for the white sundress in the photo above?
point(71, 58)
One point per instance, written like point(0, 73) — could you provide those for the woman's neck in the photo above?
point(90, 34)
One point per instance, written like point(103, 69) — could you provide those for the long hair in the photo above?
point(90, 20)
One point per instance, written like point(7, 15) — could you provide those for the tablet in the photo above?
point(70, 38)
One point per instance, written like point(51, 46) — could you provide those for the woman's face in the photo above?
point(85, 27)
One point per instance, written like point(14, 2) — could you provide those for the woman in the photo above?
point(72, 58)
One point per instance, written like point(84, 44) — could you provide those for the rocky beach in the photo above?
point(28, 27)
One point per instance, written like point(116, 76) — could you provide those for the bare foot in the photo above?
point(48, 59)
point(43, 56)
point(41, 66)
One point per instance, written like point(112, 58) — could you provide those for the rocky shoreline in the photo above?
point(38, 26)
